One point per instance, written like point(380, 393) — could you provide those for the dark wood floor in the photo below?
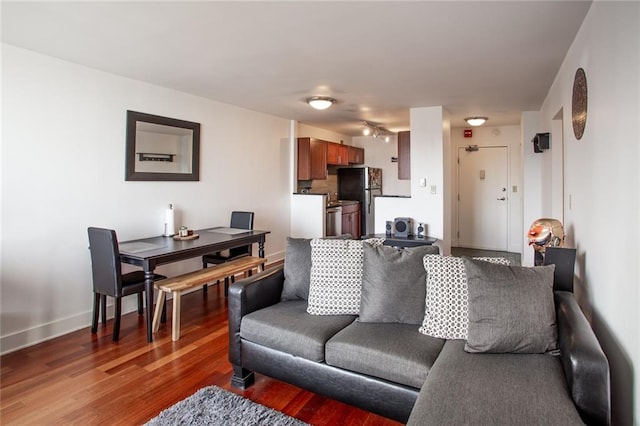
point(87, 379)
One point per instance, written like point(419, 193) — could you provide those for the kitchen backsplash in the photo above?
point(321, 186)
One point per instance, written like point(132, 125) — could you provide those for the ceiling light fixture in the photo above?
point(476, 121)
point(374, 130)
point(320, 102)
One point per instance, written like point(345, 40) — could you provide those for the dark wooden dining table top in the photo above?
point(153, 251)
point(160, 250)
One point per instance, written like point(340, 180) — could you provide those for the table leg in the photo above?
point(261, 248)
point(148, 290)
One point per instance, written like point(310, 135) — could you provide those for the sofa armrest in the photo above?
point(248, 295)
point(585, 365)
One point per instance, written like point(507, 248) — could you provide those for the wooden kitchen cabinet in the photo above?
point(356, 155)
point(312, 159)
point(404, 155)
point(337, 154)
point(351, 220)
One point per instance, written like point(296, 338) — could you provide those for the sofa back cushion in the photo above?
point(446, 315)
point(511, 308)
point(297, 267)
point(393, 284)
point(336, 276)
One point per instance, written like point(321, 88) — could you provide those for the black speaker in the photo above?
point(540, 142)
point(564, 259)
point(420, 230)
point(402, 227)
point(388, 228)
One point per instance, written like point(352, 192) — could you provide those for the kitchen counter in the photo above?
point(341, 203)
point(392, 196)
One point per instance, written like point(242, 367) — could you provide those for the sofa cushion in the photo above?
point(511, 308)
point(446, 314)
point(297, 267)
point(336, 276)
point(390, 351)
point(393, 284)
point(494, 389)
point(287, 327)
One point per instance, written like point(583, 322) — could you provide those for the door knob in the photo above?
point(501, 198)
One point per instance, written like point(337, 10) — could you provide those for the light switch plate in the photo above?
point(423, 182)
point(433, 189)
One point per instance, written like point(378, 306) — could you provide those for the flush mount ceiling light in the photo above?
point(320, 102)
point(476, 121)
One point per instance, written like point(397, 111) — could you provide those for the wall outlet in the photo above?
point(433, 189)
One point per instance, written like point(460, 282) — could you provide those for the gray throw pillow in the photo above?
point(297, 269)
point(393, 287)
point(511, 308)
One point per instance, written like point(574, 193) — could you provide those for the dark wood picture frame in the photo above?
point(131, 174)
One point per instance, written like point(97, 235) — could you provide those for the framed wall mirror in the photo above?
point(161, 148)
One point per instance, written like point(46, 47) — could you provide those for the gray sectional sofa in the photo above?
point(376, 358)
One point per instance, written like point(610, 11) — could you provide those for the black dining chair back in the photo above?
point(239, 220)
point(108, 279)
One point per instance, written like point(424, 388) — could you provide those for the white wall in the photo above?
point(532, 207)
point(430, 159)
point(508, 136)
point(378, 154)
point(63, 147)
point(603, 179)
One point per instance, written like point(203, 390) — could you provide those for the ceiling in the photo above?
point(378, 59)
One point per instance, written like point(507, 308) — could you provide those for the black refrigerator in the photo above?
point(361, 184)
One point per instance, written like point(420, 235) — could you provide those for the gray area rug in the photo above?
point(215, 406)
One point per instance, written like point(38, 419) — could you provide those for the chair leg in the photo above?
point(226, 287)
point(140, 304)
point(205, 288)
point(116, 319)
point(103, 314)
point(96, 310)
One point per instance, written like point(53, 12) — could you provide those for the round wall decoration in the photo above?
point(579, 103)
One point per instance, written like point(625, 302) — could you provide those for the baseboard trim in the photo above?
point(50, 330)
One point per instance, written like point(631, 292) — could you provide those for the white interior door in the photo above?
point(483, 198)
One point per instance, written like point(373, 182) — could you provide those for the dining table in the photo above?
point(148, 253)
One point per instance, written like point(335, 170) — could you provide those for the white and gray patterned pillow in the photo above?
point(336, 276)
point(447, 305)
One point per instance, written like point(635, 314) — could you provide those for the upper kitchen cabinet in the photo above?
point(337, 154)
point(404, 155)
point(312, 159)
point(356, 155)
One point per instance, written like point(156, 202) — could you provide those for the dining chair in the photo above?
point(239, 220)
point(108, 279)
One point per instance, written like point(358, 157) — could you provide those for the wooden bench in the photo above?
point(176, 285)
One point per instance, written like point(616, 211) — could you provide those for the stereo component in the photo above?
point(389, 228)
point(402, 227)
